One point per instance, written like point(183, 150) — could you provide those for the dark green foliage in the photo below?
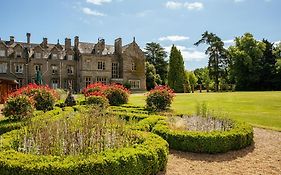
point(156, 55)
point(18, 108)
point(44, 100)
point(217, 56)
point(176, 74)
point(70, 101)
point(116, 96)
point(240, 136)
point(100, 101)
point(152, 78)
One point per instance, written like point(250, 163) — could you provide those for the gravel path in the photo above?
point(264, 157)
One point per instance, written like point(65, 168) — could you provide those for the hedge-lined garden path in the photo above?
point(264, 157)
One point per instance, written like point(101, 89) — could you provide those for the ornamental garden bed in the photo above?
point(92, 138)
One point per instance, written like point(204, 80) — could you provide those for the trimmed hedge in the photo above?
point(147, 158)
point(240, 136)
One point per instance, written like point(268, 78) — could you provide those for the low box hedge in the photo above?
point(147, 158)
point(240, 136)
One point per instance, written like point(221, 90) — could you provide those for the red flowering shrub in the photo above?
point(160, 98)
point(115, 93)
point(18, 107)
point(95, 89)
point(43, 96)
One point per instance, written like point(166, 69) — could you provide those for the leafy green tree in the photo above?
point(176, 74)
point(268, 67)
point(152, 79)
point(156, 55)
point(217, 56)
point(246, 61)
point(192, 79)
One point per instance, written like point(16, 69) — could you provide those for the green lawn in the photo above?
point(261, 109)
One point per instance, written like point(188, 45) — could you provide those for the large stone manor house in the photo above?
point(79, 64)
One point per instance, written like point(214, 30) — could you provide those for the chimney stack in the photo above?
point(118, 46)
point(76, 41)
point(44, 44)
point(12, 40)
point(67, 43)
point(28, 38)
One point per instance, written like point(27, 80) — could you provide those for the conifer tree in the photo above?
point(176, 74)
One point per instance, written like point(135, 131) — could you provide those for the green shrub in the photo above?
point(100, 101)
point(18, 108)
point(147, 158)
point(117, 95)
point(44, 100)
point(160, 98)
point(240, 136)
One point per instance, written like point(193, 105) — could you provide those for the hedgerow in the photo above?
point(240, 136)
point(148, 158)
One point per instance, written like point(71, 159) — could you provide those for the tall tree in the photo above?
point(152, 78)
point(217, 56)
point(176, 74)
point(246, 61)
point(156, 55)
point(268, 67)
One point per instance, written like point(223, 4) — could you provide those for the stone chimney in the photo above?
point(118, 46)
point(12, 40)
point(28, 38)
point(67, 43)
point(44, 43)
point(76, 41)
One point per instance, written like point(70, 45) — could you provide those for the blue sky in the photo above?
point(179, 22)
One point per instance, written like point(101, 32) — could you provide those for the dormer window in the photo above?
point(37, 55)
point(54, 56)
point(18, 54)
point(19, 68)
point(70, 57)
point(2, 52)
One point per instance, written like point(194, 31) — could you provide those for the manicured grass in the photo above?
point(262, 109)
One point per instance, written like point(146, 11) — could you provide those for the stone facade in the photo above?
point(79, 64)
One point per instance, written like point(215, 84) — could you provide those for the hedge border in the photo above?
point(147, 158)
point(240, 136)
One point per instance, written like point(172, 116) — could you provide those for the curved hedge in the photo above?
point(147, 158)
point(240, 136)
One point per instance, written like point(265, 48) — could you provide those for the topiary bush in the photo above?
point(100, 101)
point(117, 95)
point(43, 96)
point(159, 98)
point(18, 108)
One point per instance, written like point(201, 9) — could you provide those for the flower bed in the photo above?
point(146, 156)
point(238, 137)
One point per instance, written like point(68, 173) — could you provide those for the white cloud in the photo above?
point(194, 5)
point(173, 38)
point(88, 11)
point(173, 5)
point(190, 6)
point(98, 2)
point(230, 41)
point(239, 0)
point(189, 54)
